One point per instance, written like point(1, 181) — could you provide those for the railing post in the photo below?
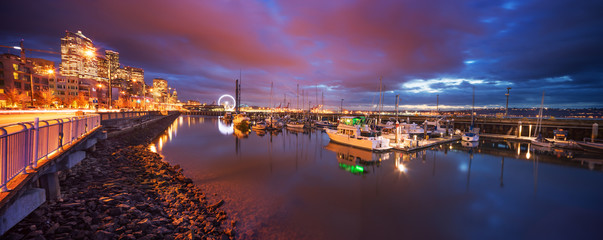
point(61, 134)
point(47, 140)
point(24, 150)
point(4, 166)
point(36, 142)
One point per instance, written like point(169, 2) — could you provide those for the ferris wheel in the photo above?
point(228, 102)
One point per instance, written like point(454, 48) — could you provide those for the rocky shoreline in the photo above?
point(125, 191)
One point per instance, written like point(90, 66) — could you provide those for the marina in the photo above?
point(348, 119)
point(294, 176)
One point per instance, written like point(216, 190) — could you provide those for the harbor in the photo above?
point(309, 175)
point(515, 129)
point(318, 120)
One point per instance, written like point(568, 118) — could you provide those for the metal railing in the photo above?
point(22, 145)
point(118, 115)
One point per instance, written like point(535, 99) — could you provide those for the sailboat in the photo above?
point(539, 140)
point(471, 136)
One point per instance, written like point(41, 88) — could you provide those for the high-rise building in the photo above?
point(135, 81)
point(135, 74)
point(102, 68)
point(160, 90)
point(78, 56)
point(113, 63)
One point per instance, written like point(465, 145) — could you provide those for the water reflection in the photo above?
point(468, 144)
point(297, 184)
point(355, 160)
point(241, 134)
point(167, 136)
point(225, 127)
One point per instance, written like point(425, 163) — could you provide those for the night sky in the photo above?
point(420, 48)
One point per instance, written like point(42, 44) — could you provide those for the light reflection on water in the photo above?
point(299, 185)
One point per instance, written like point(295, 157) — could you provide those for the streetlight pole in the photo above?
point(109, 88)
point(507, 107)
point(144, 95)
point(397, 101)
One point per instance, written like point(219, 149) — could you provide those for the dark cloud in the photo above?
point(341, 46)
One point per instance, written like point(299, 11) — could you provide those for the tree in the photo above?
point(14, 97)
point(81, 101)
point(46, 97)
point(123, 103)
point(66, 101)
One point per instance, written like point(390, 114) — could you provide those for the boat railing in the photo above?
point(591, 140)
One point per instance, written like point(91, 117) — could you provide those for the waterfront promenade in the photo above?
point(123, 190)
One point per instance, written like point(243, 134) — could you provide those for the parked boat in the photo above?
point(473, 134)
point(324, 124)
point(273, 124)
point(349, 132)
point(470, 137)
point(298, 125)
point(591, 146)
point(240, 119)
point(560, 134)
point(259, 126)
point(540, 140)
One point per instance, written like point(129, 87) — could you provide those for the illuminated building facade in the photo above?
point(113, 63)
point(15, 74)
point(77, 56)
point(160, 90)
point(135, 81)
point(102, 68)
point(66, 88)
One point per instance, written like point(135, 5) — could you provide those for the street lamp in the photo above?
point(507, 108)
point(51, 71)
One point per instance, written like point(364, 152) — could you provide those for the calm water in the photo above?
point(298, 185)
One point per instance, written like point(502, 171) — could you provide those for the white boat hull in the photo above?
point(470, 138)
point(542, 144)
point(294, 125)
point(370, 143)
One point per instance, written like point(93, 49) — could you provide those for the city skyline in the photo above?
point(341, 49)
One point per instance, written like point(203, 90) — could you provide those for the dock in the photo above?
point(413, 145)
point(507, 137)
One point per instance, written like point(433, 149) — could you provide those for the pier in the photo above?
point(414, 145)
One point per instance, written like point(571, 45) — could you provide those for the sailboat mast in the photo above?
point(323, 99)
point(380, 98)
point(317, 104)
point(473, 108)
point(539, 123)
point(239, 94)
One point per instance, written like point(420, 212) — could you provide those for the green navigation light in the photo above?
point(353, 169)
